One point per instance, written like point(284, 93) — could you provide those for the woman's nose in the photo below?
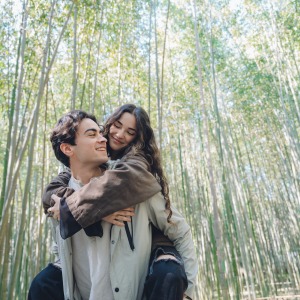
point(120, 134)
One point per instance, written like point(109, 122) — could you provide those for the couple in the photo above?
point(111, 262)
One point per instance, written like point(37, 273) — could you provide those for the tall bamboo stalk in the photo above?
point(158, 99)
point(97, 60)
point(74, 78)
point(149, 57)
point(217, 231)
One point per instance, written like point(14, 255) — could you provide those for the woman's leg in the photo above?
point(47, 285)
point(166, 279)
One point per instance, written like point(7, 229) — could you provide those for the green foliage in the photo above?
point(237, 134)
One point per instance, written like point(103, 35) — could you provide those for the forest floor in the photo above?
point(295, 297)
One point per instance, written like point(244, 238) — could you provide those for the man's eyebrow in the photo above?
point(91, 129)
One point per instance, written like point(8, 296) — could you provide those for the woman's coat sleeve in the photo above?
point(128, 184)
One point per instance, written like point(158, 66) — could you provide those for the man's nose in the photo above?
point(102, 139)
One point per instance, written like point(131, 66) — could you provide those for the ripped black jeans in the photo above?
point(166, 278)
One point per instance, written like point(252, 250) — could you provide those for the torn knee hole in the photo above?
point(166, 257)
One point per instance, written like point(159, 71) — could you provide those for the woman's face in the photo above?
point(122, 132)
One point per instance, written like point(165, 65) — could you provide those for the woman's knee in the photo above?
point(167, 273)
point(167, 280)
point(164, 266)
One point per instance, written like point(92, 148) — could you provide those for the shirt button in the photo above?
point(116, 289)
point(112, 241)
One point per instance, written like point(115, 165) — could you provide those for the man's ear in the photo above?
point(66, 149)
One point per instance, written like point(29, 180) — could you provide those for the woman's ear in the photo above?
point(66, 149)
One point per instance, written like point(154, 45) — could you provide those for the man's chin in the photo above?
point(103, 161)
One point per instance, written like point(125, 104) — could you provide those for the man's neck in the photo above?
point(85, 173)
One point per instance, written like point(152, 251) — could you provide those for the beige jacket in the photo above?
point(128, 268)
point(125, 184)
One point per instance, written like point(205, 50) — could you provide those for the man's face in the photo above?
point(90, 148)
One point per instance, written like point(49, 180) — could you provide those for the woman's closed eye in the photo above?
point(131, 133)
point(117, 125)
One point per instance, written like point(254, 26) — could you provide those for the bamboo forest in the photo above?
point(220, 81)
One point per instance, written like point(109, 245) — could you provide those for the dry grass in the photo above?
point(280, 297)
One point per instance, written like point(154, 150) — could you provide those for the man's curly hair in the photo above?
point(65, 132)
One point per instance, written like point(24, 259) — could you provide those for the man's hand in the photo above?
point(54, 210)
point(120, 216)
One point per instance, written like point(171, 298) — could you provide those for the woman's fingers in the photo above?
point(125, 213)
point(129, 209)
point(123, 218)
point(118, 218)
point(118, 223)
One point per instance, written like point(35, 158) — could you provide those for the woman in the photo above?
point(129, 132)
point(131, 141)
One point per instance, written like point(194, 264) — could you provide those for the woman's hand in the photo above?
point(120, 216)
point(54, 210)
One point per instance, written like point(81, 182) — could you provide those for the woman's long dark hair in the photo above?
point(144, 143)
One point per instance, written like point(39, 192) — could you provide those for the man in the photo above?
point(107, 267)
point(79, 144)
